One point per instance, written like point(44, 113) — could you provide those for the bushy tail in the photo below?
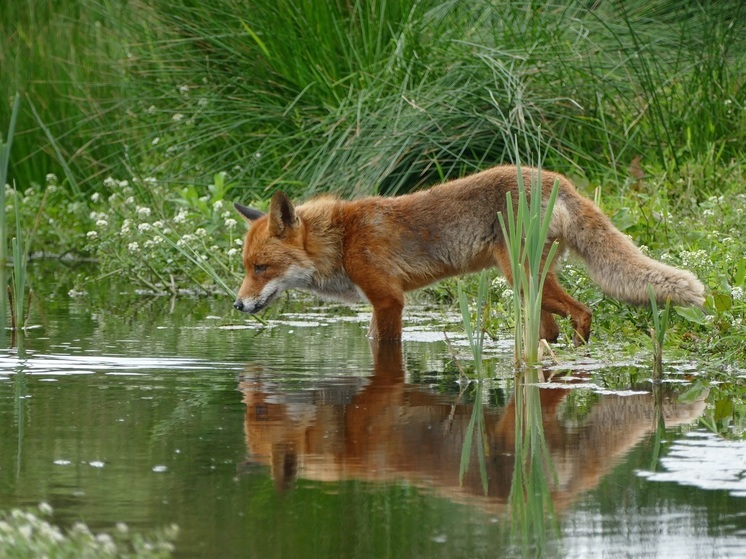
point(614, 262)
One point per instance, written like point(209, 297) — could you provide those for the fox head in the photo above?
point(273, 254)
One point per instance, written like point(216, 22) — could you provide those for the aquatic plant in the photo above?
point(658, 333)
point(525, 231)
point(18, 257)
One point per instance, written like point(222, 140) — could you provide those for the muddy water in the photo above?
point(300, 440)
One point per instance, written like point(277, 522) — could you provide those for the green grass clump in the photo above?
point(370, 95)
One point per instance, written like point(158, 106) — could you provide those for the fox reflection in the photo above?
point(382, 429)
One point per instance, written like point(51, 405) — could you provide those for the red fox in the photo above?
point(378, 248)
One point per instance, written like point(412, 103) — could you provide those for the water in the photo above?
point(300, 440)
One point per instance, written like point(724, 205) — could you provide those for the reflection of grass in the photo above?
point(530, 493)
point(27, 533)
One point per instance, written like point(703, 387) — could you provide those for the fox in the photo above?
point(377, 248)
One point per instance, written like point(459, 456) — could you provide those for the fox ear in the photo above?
point(282, 216)
point(248, 213)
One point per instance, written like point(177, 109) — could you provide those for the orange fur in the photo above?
point(378, 248)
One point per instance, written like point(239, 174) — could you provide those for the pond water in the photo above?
point(300, 440)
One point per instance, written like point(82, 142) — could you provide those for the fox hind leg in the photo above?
point(555, 300)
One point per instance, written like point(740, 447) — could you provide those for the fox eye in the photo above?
point(260, 268)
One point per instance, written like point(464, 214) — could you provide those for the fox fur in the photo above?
point(378, 248)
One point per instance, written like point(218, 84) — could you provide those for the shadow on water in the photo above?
point(388, 430)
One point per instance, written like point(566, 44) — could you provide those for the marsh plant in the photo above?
point(525, 230)
point(157, 235)
point(658, 333)
point(16, 290)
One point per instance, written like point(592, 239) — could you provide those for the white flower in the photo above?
point(133, 247)
point(155, 141)
point(184, 89)
point(232, 252)
point(230, 223)
point(151, 110)
point(101, 223)
point(149, 180)
point(178, 117)
point(51, 178)
point(158, 224)
point(109, 182)
point(130, 200)
point(95, 197)
point(218, 205)
point(142, 227)
point(737, 293)
point(91, 234)
point(202, 101)
point(143, 211)
point(45, 508)
point(124, 184)
point(201, 232)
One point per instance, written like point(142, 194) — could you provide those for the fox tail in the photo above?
point(614, 262)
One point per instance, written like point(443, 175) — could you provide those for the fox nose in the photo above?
point(238, 305)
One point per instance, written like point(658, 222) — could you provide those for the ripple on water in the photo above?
point(704, 460)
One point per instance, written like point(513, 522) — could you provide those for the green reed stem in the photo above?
point(658, 333)
point(525, 230)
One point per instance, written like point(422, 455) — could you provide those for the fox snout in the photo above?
point(242, 306)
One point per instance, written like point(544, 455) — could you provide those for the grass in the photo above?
point(305, 96)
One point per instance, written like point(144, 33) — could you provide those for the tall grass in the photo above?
point(371, 95)
point(387, 95)
point(69, 60)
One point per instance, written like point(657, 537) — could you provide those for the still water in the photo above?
point(298, 439)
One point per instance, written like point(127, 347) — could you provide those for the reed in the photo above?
point(525, 227)
point(658, 333)
point(5, 148)
point(475, 331)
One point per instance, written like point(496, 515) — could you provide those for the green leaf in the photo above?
point(692, 314)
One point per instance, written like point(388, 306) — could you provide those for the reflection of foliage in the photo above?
point(27, 534)
point(475, 428)
point(725, 413)
point(534, 476)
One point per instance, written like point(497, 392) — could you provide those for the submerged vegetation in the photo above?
point(140, 124)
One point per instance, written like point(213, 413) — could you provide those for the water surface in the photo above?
point(300, 440)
